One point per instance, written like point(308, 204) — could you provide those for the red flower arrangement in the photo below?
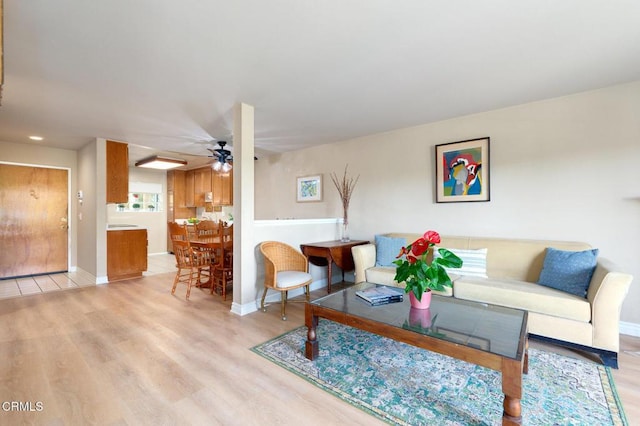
point(417, 273)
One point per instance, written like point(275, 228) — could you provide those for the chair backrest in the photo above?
point(178, 232)
point(283, 257)
point(207, 229)
point(226, 232)
point(182, 252)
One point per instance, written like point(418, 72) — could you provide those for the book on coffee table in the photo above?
point(381, 295)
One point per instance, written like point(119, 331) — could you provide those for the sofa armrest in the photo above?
point(606, 293)
point(364, 256)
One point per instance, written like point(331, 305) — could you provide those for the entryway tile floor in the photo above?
point(24, 286)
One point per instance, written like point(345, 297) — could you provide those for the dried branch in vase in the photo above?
point(345, 189)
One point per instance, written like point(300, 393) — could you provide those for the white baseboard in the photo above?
point(630, 328)
point(273, 297)
point(243, 309)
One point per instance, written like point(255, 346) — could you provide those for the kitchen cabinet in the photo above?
point(176, 184)
point(189, 188)
point(222, 188)
point(202, 180)
point(126, 253)
point(176, 200)
point(117, 172)
point(202, 185)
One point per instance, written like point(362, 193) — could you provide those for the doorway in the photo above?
point(34, 220)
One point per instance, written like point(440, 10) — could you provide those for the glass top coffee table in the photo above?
point(491, 336)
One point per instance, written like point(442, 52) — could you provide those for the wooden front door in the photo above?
point(33, 220)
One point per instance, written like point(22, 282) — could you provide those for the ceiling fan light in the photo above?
point(217, 166)
point(161, 163)
point(226, 167)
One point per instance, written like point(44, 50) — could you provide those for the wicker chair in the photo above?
point(285, 269)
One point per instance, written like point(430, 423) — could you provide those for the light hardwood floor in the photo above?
point(131, 353)
point(26, 286)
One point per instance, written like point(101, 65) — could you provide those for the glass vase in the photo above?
point(344, 234)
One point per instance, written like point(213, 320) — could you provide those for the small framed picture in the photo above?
point(309, 188)
point(462, 171)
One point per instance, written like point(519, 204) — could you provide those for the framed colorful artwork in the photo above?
point(462, 171)
point(309, 188)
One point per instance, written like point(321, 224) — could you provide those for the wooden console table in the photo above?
point(327, 252)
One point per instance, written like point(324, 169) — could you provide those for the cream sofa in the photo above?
point(513, 267)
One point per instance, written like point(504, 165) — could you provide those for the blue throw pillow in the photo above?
point(387, 248)
point(569, 271)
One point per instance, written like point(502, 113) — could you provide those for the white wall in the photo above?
point(294, 233)
point(87, 239)
point(563, 169)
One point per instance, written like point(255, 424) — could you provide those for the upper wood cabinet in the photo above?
point(189, 188)
point(222, 188)
point(117, 172)
point(176, 183)
point(176, 200)
point(202, 185)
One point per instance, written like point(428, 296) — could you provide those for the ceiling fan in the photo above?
point(223, 156)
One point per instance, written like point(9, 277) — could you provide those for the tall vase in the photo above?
point(344, 234)
point(423, 303)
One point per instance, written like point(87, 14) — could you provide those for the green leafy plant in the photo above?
point(419, 275)
point(135, 205)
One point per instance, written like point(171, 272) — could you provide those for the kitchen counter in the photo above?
point(123, 227)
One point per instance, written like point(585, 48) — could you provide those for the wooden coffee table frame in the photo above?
point(511, 369)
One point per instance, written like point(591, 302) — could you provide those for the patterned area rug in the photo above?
point(405, 385)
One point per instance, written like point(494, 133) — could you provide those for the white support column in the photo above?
point(244, 264)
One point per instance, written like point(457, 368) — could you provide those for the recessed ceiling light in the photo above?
point(36, 138)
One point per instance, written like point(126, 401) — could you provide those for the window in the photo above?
point(147, 197)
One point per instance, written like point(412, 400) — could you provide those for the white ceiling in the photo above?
point(165, 74)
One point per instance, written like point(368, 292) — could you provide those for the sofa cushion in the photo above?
point(387, 248)
point(568, 271)
point(523, 295)
point(474, 262)
point(381, 275)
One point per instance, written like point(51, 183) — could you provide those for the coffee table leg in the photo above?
point(311, 345)
point(511, 405)
point(512, 389)
point(329, 272)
